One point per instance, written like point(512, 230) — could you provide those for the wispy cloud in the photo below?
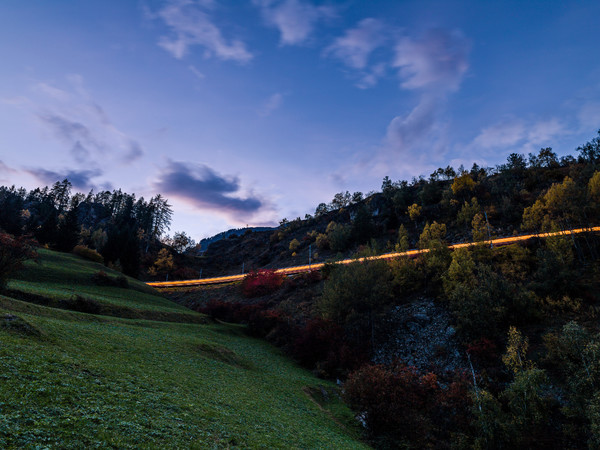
point(80, 179)
point(196, 72)
point(432, 65)
point(355, 49)
point(516, 135)
point(437, 60)
point(295, 19)
point(271, 104)
point(502, 134)
point(405, 132)
point(76, 120)
point(357, 44)
point(75, 134)
point(191, 24)
point(205, 189)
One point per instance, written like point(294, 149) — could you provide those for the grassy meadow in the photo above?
point(146, 372)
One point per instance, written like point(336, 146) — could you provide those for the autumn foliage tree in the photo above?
point(164, 263)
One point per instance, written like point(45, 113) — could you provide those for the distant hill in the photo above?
point(204, 243)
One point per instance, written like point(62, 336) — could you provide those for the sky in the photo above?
point(243, 112)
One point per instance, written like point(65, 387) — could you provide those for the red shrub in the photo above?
point(261, 282)
point(395, 402)
point(322, 344)
point(400, 403)
point(482, 351)
point(316, 340)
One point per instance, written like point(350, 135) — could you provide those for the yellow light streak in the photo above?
point(409, 253)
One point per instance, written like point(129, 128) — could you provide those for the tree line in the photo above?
point(116, 224)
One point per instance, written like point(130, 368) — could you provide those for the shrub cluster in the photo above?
point(13, 252)
point(319, 344)
point(88, 253)
point(261, 282)
point(399, 405)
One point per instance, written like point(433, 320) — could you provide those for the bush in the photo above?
point(338, 236)
point(322, 241)
point(483, 351)
point(82, 304)
point(311, 277)
point(321, 344)
point(400, 405)
point(261, 321)
point(261, 282)
point(294, 245)
point(88, 253)
point(13, 252)
point(357, 291)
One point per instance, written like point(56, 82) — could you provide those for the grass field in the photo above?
point(75, 380)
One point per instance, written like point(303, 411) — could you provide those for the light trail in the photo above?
point(410, 253)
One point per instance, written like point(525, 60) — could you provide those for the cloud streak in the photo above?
point(519, 135)
point(80, 179)
point(432, 65)
point(76, 120)
point(357, 44)
point(75, 134)
point(436, 61)
point(295, 19)
point(202, 187)
point(191, 25)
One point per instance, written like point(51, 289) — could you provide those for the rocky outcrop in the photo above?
point(421, 335)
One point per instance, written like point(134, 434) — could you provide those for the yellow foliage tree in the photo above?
point(463, 184)
point(164, 263)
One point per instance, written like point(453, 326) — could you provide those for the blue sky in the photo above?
point(247, 111)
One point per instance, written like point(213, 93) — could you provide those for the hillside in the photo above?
point(478, 347)
point(469, 203)
point(144, 371)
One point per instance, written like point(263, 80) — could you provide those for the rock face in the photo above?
point(421, 335)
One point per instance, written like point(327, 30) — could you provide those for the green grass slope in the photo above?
point(65, 281)
point(76, 380)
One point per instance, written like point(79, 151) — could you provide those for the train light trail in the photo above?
point(410, 253)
